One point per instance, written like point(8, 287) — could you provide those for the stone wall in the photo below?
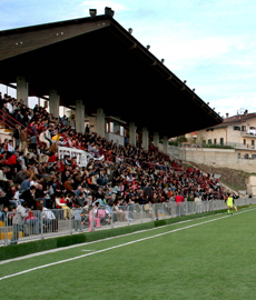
point(251, 186)
point(219, 158)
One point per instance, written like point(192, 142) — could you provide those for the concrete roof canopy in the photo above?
point(98, 61)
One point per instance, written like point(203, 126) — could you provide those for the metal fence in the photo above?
point(33, 225)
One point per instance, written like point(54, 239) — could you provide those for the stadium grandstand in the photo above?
point(56, 170)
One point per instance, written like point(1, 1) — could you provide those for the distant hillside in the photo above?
point(236, 180)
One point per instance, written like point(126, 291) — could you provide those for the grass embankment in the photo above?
point(234, 179)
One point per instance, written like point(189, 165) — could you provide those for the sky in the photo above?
point(209, 43)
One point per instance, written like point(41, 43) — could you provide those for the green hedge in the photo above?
point(69, 240)
point(14, 251)
point(103, 234)
point(160, 223)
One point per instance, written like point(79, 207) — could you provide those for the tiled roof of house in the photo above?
point(234, 120)
point(239, 118)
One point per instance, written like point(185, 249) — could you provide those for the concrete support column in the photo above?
point(132, 134)
point(145, 138)
point(156, 139)
point(22, 89)
point(79, 116)
point(54, 103)
point(165, 144)
point(101, 122)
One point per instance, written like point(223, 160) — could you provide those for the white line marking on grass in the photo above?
point(116, 247)
point(88, 250)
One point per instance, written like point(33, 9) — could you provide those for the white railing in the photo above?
point(56, 222)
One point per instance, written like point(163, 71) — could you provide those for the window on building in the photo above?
point(236, 128)
point(121, 130)
point(215, 141)
point(243, 128)
point(209, 142)
point(111, 127)
point(253, 144)
point(116, 128)
point(222, 141)
point(244, 141)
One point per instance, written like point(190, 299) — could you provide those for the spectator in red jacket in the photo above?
point(52, 158)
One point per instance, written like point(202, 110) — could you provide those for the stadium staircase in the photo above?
point(7, 125)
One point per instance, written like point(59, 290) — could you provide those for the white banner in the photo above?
point(82, 157)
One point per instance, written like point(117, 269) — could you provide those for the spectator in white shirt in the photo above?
point(9, 107)
point(10, 146)
point(48, 214)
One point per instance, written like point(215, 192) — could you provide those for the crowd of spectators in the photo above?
point(32, 172)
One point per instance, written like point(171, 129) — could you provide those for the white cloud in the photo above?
point(247, 62)
point(182, 46)
point(183, 51)
point(234, 103)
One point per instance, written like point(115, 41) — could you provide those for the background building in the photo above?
point(238, 131)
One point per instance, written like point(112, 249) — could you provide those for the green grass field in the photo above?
point(209, 258)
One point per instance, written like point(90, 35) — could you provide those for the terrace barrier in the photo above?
point(34, 225)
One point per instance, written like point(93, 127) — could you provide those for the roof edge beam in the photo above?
point(134, 46)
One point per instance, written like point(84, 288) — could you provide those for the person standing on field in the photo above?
point(230, 203)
